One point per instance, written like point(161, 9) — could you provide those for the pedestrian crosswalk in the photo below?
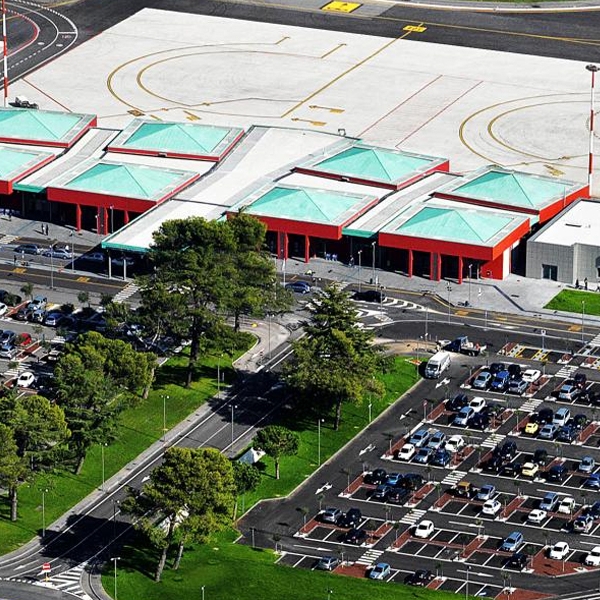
point(595, 341)
point(566, 371)
point(369, 557)
point(126, 292)
point(454, 477)
point(493, 440)
point(589, 595)
point(70, 582)
point(410, 518)
point(530, 405)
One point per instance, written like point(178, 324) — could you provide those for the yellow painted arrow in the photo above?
point(329, 108)
point(315, 123)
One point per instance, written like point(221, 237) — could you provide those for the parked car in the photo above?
point(593, 557)
point(531, 375)
point(327, 563)
point(500, 381)
point(27, 249)
point(513, 542)
point(300, 287)
point(356, 537)
point(569, 391)
point(548, 432)
point(398, 495)
point(119, 261)
point(38, 315)
point(419, 578)
point(491, 507)
point(593, 481)
point(594, 510)
point(561, 417)
point(512, 469)
point(437, 440)
point(462, 418)
point(486, 492)
point(580, 380)
point(420, 438)
point(482, 381)
point(480, 421)
point(537, 515)
point(3, 309)
point(557, 473)
point(8, 337)
point(517, 561)
point(465, 489)
point(458, 402)
point(423, 455)
point(496, 367)
point(545, 416)
point(393, 479)
point(493, 464)
point(330, 515)
point(406, 452)
point(587, 464)
point(579, 422)
point(97, 257)
point(441, 458)
point(567, 434)
point(540, 457)
point(59, 253)
point(583, 524)
point(54, 318)
point(507, 451)
point(566, 506)
point(424, 529)
point(25, 379)
point(412, 481)
point(550, 501)
point(369, 296)
point(380, 492)
point(380, 571)
point(530, 469)
point(8, 351)
point(477, 404)
point(376, 477)
point(351, 519)
point(455, 443)
point(559, 551)
point(532, 426)
point(24, 313)
point(38, 302)
point(518, 386)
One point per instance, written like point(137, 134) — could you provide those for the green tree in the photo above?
point(277, 441)
point(84, 298)
point(12, 468)
point(336, 362)
point(27, 289)
point(189, 497)
point(247, 478)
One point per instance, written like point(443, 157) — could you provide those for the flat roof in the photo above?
point(578, 224)
point(513, 188)
point(454, 222)
point(307, 205)
point(124, 180)
point(16, 161)
point(192, 140)
point(377, 164)
point(51, 128)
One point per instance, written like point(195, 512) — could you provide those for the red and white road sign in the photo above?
point(46, 568)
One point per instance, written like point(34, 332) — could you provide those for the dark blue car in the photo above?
point(500, 381)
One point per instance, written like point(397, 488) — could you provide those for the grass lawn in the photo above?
point(231, 571)
point(571, 301)
point(140, 427)
point(295, 469)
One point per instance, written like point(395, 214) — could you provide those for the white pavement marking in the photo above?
point(531, 405)
point(493, 440)
point(566, 371)
point(453, 477)
point(413, 516)
point(126, 292)
point(368, 448)
point(324, 488)
point(70, 582)
point(369, 557)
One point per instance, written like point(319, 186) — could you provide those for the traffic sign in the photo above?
point(46, 568)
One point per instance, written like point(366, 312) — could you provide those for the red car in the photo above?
point(23, 339)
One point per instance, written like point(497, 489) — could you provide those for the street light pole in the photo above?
point(5, 53)
point(219, 377)
point(202, 588)
point(103, 472)
point(373, 247)
point(449, 288)
point(164, 436)
point(44, 491)
point(270, 317)
point(359, 268)
point(115, 559)
point(467, 586)
point(51, 268)
point(592, 69)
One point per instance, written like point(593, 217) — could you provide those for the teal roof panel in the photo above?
point(376, 164)
point(308, 204)
point(41, 126)
point(514, 189)
point(14, 162)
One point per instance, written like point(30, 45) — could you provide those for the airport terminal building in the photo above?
point(319, 194)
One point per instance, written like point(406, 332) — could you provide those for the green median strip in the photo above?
point(576, 301)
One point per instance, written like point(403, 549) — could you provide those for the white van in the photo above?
point(437, 364)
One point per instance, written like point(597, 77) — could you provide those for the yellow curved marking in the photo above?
point(461, 135)
point(512, 110)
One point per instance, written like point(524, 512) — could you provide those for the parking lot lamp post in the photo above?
point(373, 252)
point(426, 323)
point(582, 316)
point(370, 411)
point(165, 398)
point(329, 592)
point(72, 250)
point(115, 503)
point(467, 586)
point(102, 445)
point(115, 559)
point(449, 288)
point(202, 588)
point(270, 317)
point(44, 492)
point(593, 70)
point(51, 268)
point(359, 268)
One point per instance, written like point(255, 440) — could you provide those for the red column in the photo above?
point(125, 217)
point(460, 269)
point(306, 248)
point(410, 263)
point(78, 217)
point(438, 259)
point(285, 245)
point(105, 219)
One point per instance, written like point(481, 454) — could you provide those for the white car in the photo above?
point(25, 379)
point(424, 529)
point(567, 505)
point(3, 309)
point(406, 452)
point(593, 557)
point(491, 507)
point(537, 516)
point(531, 375)
point(455, 443)
point(559, 551)
point(477, 404)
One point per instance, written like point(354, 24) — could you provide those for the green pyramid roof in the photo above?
point(453, 225)
point(515, 189)
point(375, 164)
point(305, 204)
point(39, 125)
point(13, 162)
point(132, 181)
point(180, 137)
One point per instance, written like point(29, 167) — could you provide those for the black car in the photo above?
point(398, 495)
point(545, 416)
point(593, 510)
point(514, 371)
point(493, 409)
point(24, 313)
point(493, 464)
point(507, 451)
point(557, 473)
point(540, 457)
point(512, 469)
point(421, 577)
point(356, 536)
point(351, 519)
point(412, 481)
point(580, 380)
point(459, 401)
point(566, 434)
point(517, 561)
point(370, 296)
point(380, 492)
point(376, 477)
point(496, 367)
point(480, 421)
